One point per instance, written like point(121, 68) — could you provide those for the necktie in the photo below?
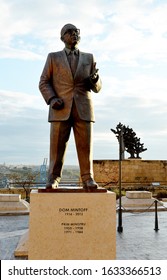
point(73, 62)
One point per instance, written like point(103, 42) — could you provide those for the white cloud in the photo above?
point(124, 30)
point(14, 104)
point(11, 24)
point(104, 137)
point(150, 89)
point(24, 128)
point(9, 52)
point(134, 31)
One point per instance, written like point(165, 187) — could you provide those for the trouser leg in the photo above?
point(59, 136)
point(83, 139)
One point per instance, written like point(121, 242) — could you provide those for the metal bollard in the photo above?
point(156, 216)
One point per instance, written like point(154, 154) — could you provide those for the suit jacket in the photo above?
point(57, 81)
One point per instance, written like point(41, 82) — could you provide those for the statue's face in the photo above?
point(71, 38)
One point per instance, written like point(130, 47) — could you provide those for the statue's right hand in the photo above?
point(57, 103)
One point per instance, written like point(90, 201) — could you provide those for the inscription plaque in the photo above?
point(73, 227)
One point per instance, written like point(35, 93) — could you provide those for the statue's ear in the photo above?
point(62, 38)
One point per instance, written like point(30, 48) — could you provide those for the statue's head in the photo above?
point(70, 34)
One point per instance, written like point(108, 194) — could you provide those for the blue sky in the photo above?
point(128, 39)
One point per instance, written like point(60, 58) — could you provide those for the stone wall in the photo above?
point(134, 171)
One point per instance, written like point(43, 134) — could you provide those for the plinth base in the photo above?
point(13, 204)
point(72, 226)
point(139, 200)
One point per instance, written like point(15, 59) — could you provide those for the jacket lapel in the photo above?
point(80, 60)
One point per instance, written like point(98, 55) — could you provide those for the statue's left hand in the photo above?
point(94, 76)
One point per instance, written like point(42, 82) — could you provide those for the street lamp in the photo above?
point(121, 157)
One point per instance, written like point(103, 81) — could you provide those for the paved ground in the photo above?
point(138, 240)
point(11, 229)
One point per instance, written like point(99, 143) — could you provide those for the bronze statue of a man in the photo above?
point(66, 83)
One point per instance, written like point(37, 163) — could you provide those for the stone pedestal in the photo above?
point(138, 200)
point(139, 195)
point(12, 203)
point(72, 226)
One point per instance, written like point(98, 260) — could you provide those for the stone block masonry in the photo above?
point(133, 171)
